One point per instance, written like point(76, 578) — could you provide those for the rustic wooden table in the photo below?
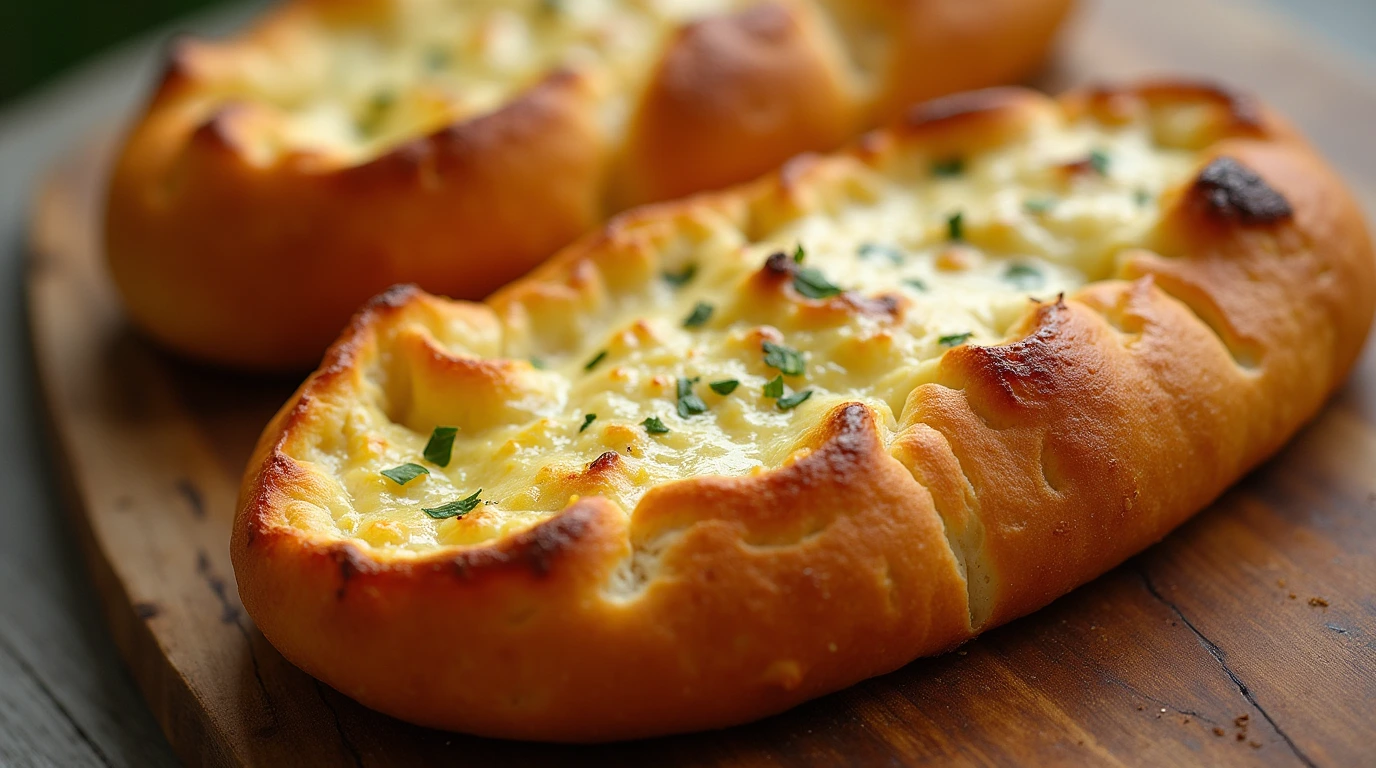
point(66, 698)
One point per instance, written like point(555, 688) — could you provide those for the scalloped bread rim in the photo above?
point(730, 98)
point(1105, 420)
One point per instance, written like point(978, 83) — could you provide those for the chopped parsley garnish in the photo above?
point(955, 339)
point(1142, 197)
point(441, 444)
point(654, 426)
point(1039, 205)
point(786, 359)
point(915, 283)
point(537, 363)
point(955, 227)
point(951, 166)
point(725, 386)
point(702, 312)
point(799, 254)
point(813, 284)
point(405, 473)
point(775, 388)
point(794, 400)
point(678, 279)
point(436, 58)
point(1024, 276)
point(375, 112)
point(1099, 161)
point(587, 420)
point(454, 508)
point(597, 358)
point(875, 251)
point(689, 404)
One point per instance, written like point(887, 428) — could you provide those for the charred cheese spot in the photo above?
point(908, 296)
point(1230, 190)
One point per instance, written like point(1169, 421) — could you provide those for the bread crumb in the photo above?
point(1241, 736)
point(1280, 583)
point(1318, 602)
point(1241, 721)
point(1254, 744)
point(1219, 731)
point(1293, 595)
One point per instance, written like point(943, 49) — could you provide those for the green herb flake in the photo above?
point(775, 388)
point(955, 227)
point(786, 359)
point(813, 284)
point(954, 340)
point(915, 283)
point(1142, 197)
point(799, 254)
point(873, 251)
point(948, 168)
point(405, 473)
point(689, 404)
point(1099, 161)
point(702, 312)
point(1039, 205)
point(680, 279)
point(538, 364)
point(725, 386)
point(454, 508)
point(436, 58)
point(654, 426)
point(375, 111)
point(1024, 277)
point(588, 419)
point(441, 445)
point(597, 358)
point(794, 400)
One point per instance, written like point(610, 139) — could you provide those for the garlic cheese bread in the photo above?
point(738, 451)
point(279, 179)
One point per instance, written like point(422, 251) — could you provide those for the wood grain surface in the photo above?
point(1248, 637)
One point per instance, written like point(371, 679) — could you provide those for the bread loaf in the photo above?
point(279, 179)
point(738, 451)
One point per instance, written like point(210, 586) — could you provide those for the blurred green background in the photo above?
point(41, 38)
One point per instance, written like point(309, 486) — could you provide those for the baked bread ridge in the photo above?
point(1009, 473)
point(258, 177)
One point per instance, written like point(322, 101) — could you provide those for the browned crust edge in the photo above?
point(731, 97)
point(1030, 467)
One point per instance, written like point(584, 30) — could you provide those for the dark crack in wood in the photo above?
point(1160, 703)
point(338, 724)
point(194, 500)
point(32, 674)
point(1221, 657)
point(229, 614)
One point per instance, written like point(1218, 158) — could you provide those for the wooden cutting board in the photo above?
point(1247, 637)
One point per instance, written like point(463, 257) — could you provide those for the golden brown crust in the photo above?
point(256, 265)
point(751, 598)
point(1018, 472)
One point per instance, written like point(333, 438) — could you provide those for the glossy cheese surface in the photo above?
point(953, 256)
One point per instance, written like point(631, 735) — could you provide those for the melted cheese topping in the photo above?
point(346, 94)
point(1037, 218)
